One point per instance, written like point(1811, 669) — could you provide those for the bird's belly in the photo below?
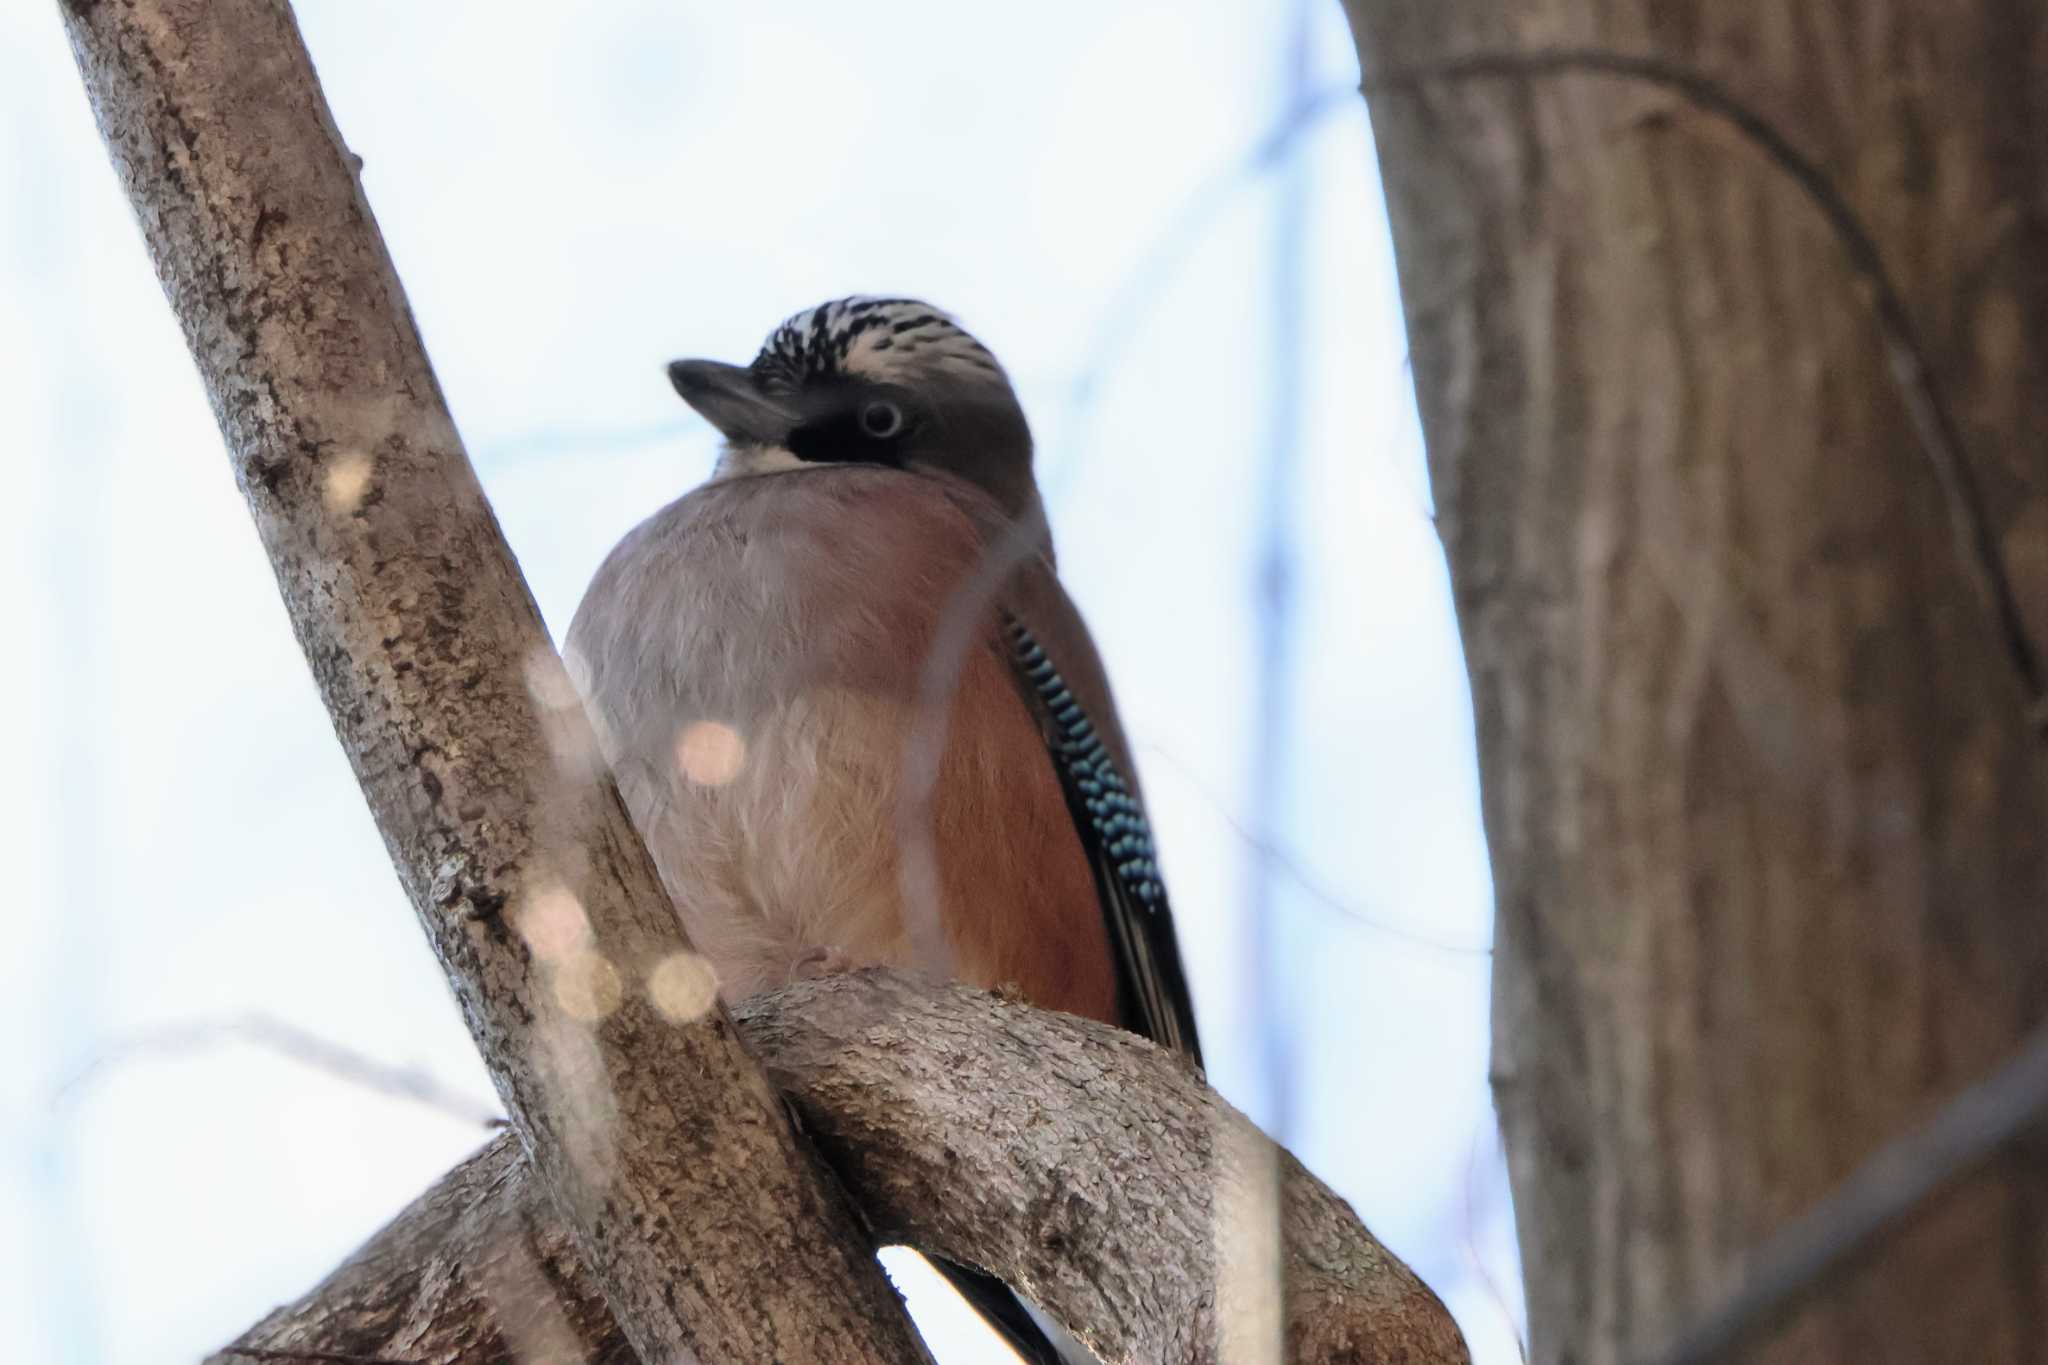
point(795, 839)
point(773, 832)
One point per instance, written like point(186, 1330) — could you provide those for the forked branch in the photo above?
point(1076, 1161)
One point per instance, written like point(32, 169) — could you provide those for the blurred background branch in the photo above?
point(1808, 1256)
point(345, 1064)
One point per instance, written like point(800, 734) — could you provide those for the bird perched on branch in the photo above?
point(852, 710)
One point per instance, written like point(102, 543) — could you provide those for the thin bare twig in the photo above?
point(1801, 1258)
point(1933, 424)
point(1275, 597)
point(960, 621)
point(509, 451)
point(1284, 861)
point(959, 629)
point(290, 1041)
point(1468, 1244)
point(1136, 295)
point(1132, 300)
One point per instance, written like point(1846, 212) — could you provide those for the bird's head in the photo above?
point(868, 381)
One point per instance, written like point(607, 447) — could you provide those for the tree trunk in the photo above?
point(1763, 791)
point(709, 1228)
point(1108, 1185)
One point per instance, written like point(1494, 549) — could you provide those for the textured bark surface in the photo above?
point(711, 1230)
point(1100, 1184)
point(1767, 820)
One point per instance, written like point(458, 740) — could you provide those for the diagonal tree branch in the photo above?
point(1808, 1255)
point(1104, 1184)
point(708, 1229)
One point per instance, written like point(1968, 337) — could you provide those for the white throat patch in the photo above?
point(736, 461)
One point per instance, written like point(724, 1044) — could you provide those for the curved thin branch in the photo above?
point(1933, 425)
point(1805, 1256)
point(1101, 1184)
point(287, 1040)
point(1135, 297)
point(1291, 866)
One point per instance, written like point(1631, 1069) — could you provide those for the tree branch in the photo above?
point(1101, 1184)
point(708, 1229)
point(1807, 1255)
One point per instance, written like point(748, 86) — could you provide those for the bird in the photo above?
point(855, 714)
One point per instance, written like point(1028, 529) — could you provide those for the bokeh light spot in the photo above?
point(710, 754)
point(547, 678)
point(683, 987)
point(348, 478)
point(553, 923)
point(587, 987)
point(553, 682)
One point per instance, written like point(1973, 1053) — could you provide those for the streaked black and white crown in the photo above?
point(866, 337)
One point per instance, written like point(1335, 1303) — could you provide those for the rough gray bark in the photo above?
point(1103, 1151)
point(710, 1230)
point(1767, 813)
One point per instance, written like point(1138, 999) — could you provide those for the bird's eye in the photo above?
point(880, 419)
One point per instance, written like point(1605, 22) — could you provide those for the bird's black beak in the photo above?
point(728, 397)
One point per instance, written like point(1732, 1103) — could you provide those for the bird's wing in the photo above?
point(1063, 680)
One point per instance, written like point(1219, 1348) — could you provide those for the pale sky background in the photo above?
point(575, 195)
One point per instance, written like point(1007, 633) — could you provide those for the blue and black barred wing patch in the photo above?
point(1111, 823)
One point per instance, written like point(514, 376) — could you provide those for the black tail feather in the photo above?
point(1001, 1309)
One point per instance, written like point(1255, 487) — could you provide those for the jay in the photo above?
point(854, 713)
